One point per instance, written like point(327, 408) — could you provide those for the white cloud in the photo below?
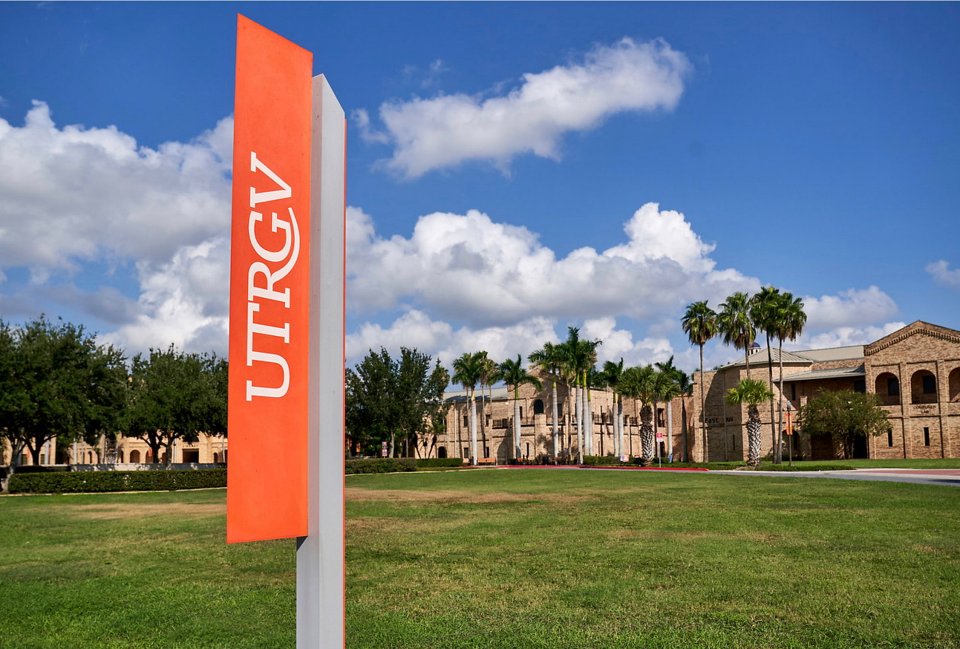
point(72, 194)
point(473, 269)
point(943, 274)
point(619, 343)
point(846, 335)
point(447, 130)
point(183, 301)
point(850, 308)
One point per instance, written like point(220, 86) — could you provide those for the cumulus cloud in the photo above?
point(845, 335)
point(470, 268)
point(447, 130)
point(943, 274)
point(618, 343)
point(850, 308)
point(72, 194)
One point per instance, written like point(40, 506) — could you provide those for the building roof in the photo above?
point(498, 392)
point(759, 357)
point(833, 353)
point(815, 375)
point(918, 327)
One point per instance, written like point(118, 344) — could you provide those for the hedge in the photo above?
point(381, 465)
point(101, 481)
point(439, 462)
point(600, 460)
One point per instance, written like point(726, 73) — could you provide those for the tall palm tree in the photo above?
point(684, 382)
point(612, 373)
point(669, 370)
point(700, 325)
point(765, 313)
point(790, 322)
point(751, 392)
point(467, 369)
point(641, 383)
point(735, 325)
point(513, 374)
point(580, 355)
point(488, 373)
point(550, 359)
point(586, 356)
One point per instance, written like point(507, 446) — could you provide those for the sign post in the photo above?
point(285, 478)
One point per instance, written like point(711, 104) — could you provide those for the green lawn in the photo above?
point(504, 559)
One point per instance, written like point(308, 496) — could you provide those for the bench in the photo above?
point(492, 461)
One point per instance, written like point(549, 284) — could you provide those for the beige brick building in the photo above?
point(914, 371)
point(208, 449)
point(495, 425)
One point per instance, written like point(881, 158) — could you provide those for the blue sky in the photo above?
point(512, 168)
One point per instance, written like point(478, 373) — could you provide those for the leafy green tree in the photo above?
point(700, 325)
point(57, 382)
point(845, 415)
point(467, 370)
point(514, 375)
point(370, 413)
point(751, 392)
point(417, 396)
point(735, 325)
point(549, 359)
point(174, 395)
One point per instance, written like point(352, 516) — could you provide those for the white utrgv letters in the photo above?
point(262, 278)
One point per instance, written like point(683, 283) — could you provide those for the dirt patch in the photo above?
point(454, 496)
point(146, 510)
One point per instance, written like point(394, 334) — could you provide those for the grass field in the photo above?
point(504, 559)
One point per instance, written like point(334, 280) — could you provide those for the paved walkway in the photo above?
point(948, 477)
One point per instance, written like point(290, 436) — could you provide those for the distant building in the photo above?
point(127, 450)
point(914, 371)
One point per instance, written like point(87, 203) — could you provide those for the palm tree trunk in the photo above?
point(753, 436)
point(773, 424)
point(780, 406)
point(579, 415)
point(646, 435)
point(703, 416)
point(473, 427)
point(556, 428)
point(670, 431)
point(516, 426)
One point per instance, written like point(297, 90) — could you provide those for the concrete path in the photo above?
point(947, 477)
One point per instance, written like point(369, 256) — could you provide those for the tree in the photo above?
point(845, 416)
point(612, 374)
point(668, 389)
point(549, 359)
point(57, 382)
point(735, 325)
point(751, 392)
point(641, 383)
point(488, 376)
point(790, 321)
point(700, 325)
point(765, 313)
point(174, 395)
point(397, 401)
point(467, 370)
point(514, 375)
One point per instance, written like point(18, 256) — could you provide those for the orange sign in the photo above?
point(269, 288)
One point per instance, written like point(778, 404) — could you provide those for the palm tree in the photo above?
point(700, 325)
point(685, 384)
point(549, 359)
point(488, 375)
point(641, 383)
point(467, 369)
point(735, 325)
point(579, 355)
point(669, 370)
point(751, 392)
point(765, 313)
point(790, 322)
point(612, 373)
point(512, 373)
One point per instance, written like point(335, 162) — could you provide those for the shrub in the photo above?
point(381, 465)
point(439, 462)
point(101, 481)
point(600, 460)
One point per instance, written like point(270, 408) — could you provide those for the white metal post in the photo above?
point(320, 555)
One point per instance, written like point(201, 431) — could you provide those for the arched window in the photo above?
point(954, 384)
point(148, 457)
point(441, 452)
point(923, 387)
point(216, 458)
point(135, 457)
point(538, 407)
point(888, 389)
point(120, 457)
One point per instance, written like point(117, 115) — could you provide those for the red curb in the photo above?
point(607, 468)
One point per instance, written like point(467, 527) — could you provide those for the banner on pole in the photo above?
point(269, 288)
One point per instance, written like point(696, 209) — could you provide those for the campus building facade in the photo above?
point(914, 371)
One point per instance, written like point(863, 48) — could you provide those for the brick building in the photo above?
point(914, 371)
